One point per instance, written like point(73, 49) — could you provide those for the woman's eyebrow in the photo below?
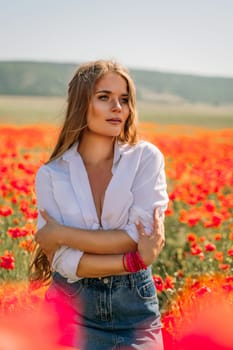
point(103, 91)
point(109, 92)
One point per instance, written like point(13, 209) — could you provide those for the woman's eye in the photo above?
point(103, 97)
point(125, 100)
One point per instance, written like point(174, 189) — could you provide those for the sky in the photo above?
point(184, 36)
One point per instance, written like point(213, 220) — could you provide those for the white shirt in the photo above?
point(137, 186)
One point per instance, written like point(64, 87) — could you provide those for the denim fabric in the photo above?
point(115, 312)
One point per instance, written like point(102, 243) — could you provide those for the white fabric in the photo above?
point(138, 185)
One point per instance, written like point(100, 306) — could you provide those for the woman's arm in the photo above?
point(149, 191)
point(54, 235)
point(93, 265)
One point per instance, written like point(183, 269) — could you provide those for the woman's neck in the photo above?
point(96, 149)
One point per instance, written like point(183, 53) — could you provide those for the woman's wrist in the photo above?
point(146, 257)
point(61, 235)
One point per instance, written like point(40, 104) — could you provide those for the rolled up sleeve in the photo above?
point(65, 259)
point(149, 192)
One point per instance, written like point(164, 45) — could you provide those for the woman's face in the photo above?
point(108, 109)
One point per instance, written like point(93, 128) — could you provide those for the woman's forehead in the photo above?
point(111, 81)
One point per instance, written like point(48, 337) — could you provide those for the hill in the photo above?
point(51, 79)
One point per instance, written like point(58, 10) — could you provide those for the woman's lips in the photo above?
point(114, 121)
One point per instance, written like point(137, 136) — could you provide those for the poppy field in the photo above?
point(194, 273)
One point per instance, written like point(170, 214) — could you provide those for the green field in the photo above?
point(23, 110)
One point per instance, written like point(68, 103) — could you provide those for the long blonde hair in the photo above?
point(80, 91)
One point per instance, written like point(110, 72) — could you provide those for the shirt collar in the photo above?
point(70, 153)
point(118, 150)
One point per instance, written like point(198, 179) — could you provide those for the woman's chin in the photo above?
point(106, 132)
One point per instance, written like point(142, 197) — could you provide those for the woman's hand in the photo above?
point(49, 236)
point(149, 246)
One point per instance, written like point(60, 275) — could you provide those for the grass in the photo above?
point(21, 110)
point(203, 115)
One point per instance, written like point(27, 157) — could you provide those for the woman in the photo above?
point(104, 193)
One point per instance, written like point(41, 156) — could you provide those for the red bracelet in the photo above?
point(142, 263)
point(133, 262)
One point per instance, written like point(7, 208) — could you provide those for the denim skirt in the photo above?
point(114, 312)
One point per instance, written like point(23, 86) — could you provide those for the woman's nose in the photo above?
point(116, 106)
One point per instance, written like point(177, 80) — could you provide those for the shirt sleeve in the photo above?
point(66, 259)
point(149, 192)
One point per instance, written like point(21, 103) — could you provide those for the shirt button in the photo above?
point(105, 280)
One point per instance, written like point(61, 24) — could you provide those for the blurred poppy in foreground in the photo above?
point(210, 328)
point(35, 329)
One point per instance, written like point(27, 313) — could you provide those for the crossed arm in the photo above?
point(103, 249)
